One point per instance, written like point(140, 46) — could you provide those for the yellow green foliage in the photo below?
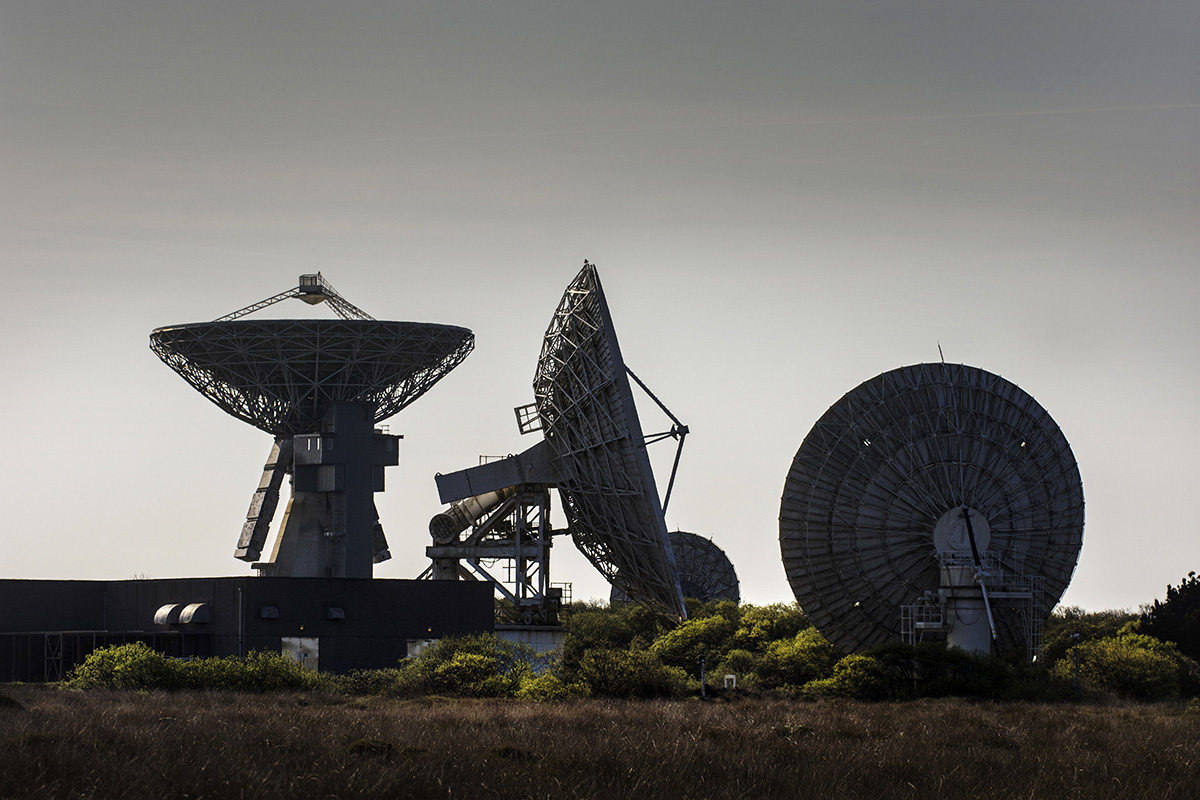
point(858, 676)
point(683, 647)
point(549, 686)
point(1131, 665)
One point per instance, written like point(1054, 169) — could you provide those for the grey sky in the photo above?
point(784, 200)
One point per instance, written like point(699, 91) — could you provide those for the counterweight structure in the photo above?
point(319, 387)
point(935, 500)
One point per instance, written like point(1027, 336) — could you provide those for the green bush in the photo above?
point(473, 675)
point(758, 626)
point(1131, 665)
point(368, 681)
point(617, 627)
point(136, 666)
point(1177, 618)
point(1071, 625)
point(789, 664)
point(934, 670)
point(856, 676)
point(257, 671)
point(699, 609)
point(743, 664)
point(550, 686)
point(126, 666)
point(472, 666)
point(629, 674)
point(683, 647)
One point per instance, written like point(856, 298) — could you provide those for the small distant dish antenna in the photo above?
point(933, 501)
point(319, 387)
point(593, 451)
point(705, 572)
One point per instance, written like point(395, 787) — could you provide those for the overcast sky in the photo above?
point(784, 199)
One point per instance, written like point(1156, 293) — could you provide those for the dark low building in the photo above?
point(334, 624)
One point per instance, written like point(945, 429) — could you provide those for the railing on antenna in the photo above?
point(312, 289)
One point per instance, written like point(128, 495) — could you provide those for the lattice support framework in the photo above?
point(598, 449)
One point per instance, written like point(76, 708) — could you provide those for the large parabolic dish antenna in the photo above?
point(597, 448)
point(705, 572)
point(305, 381)
point(283, 375)
point(915, 474)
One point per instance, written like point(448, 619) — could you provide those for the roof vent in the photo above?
point(194, 612)
point(168, 614)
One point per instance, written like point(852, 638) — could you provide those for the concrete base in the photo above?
point(541, 639)
point(967, 625)
point(301, 548)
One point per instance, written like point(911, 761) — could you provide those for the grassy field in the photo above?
point(148, 745)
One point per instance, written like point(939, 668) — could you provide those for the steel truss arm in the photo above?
point(311, 289)
point(678, 431)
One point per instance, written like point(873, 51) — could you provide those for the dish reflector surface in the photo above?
point(705, 572)
point(891, 458)
point(597, 447)
point(282, 375)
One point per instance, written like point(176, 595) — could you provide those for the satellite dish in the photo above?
point(705, 572)
point(593, 452)
point(304, 382)
point(597, 448)
point(283, 375)
point(934, 499)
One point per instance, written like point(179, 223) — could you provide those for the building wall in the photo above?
point(360, 623)
point(51, 605)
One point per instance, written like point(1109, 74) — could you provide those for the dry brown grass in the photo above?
point(216, 745)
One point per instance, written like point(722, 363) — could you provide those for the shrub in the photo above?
point(1071, 625)
point(474, 666)
point(699, 609)
point(136, 666)
point(608, 628)
point(470, 674)
point(1177, 618)
point(258, 671)
point(1130, 665)
point(791, 663)
point(551, 686)
point(761, 625)
point(629, 674)
point(934, 670)
point(126, 666)
point(368, 681)
point(684, 646)
point(856, 676)
point(743, 664)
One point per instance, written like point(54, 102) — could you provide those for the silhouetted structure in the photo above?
point(936, 500)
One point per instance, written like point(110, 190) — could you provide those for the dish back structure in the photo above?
point(283, 375)
point(598, 450)
point(935, 499)
point(319, 387)
point(705, 572)
point(593, 451)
